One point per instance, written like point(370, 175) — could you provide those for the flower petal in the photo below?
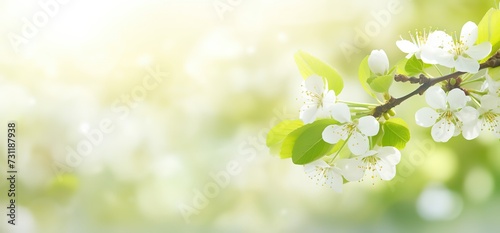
point(445, 58)
point(495, 127)
point(407, 47)
point(308, 112)
point(471, 130)
point(467, 114)
point(378, 62)
point(426, 117)
point(484, 86)
point(367, 154)
point(458, 129)
point(435, 97)
point(493, 86)
point(435, 50)
point(334, 180)
point(358, 143)
point(341, 112)
point(442, 131)
point(456, 99)
point(352, 169)
point(490, 102)
point(368, 125)
point(468, 65)
point(480, 51)
point(468, 35)
point(315, 84)
point(322, 114)
point(428, 54)
point(439, 39)
point(385, 170)
point(334, 133)
point(389, 154)
point(329, 99)
point(311, 167)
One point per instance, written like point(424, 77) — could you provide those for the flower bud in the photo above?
point(392, 112)
point(378, 62)
point(453, 82)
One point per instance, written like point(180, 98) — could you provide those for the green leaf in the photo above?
point(278, 133)
point(336, 147)
point(381, 84)
point(414, 66)
point(494, 73)
point(309, 65)
point(289, 142)
point(396, 133)
point(364, 74)
point(309, 144)
point(489, 30)
point(400, 67)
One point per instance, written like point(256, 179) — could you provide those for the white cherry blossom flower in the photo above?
point(352, 169)
point(412, 47)
point(381, 163)
point(462, 54)
point(355, 132)
point(419, 42)
point(434, 45)
point(492, 85)
point(325, 174)
point(378, 62)
point(449, 111)
point(318, 99)
point(489, 118)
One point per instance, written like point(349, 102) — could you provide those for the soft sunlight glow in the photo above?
point(479, 184)
point(437, 203)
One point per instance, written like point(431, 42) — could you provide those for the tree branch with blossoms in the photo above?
point(425, 82)
point(341, 141)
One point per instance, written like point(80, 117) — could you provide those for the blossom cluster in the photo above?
point(439, 48)
point(456, 112)
point(454, 108)
point(381, 161)
point(450, 116)
point(449, 113)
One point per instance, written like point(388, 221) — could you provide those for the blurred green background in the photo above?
point(229, 77)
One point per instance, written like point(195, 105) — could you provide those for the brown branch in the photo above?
point(425, 82)
point(403, 78)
